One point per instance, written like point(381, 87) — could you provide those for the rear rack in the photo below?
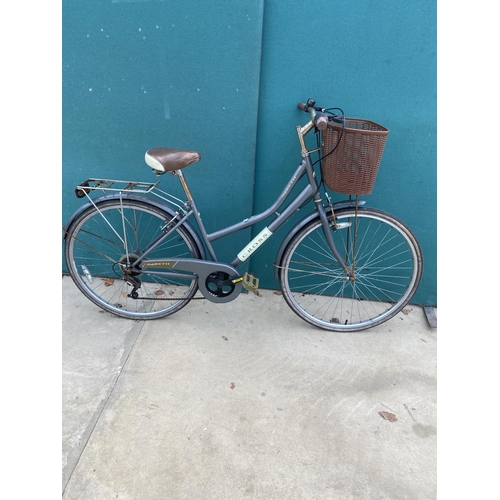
point(113, 185)
point(105, 185)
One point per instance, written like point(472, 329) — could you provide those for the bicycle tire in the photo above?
point(95, 247)
point(388, 267)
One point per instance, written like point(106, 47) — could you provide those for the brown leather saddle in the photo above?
point(168, 159)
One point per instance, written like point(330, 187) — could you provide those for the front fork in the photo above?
point(327, 229)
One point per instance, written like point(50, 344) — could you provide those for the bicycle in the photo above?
point(344, 267)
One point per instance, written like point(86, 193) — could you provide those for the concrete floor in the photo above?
point(245, 400)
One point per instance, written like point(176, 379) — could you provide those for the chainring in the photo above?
point(219, 284)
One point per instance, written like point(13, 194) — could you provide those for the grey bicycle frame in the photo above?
point(310, 191)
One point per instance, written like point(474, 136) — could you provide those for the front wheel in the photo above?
point(383, 254)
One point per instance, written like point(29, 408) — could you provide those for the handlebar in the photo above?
point(319, 115)
point(319, 120)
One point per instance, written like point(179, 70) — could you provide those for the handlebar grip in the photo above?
point(321, 121)
point(302, 106)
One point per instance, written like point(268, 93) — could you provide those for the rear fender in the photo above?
point(336, 206)
point(137, 197)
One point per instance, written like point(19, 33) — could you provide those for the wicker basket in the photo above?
point(352, 168)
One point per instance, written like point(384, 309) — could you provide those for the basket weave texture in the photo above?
point(352, 168)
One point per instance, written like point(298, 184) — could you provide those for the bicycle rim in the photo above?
point(387, 271)
point(100, 241)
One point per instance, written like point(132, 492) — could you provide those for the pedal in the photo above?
point(250, 282)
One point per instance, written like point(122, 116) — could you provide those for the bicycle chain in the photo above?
point(170, 298)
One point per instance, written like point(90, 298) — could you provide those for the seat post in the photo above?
point(184, 184)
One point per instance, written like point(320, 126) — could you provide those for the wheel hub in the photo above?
point(126, 264)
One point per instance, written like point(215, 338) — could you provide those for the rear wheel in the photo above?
point(103, 244)
point(387, 262)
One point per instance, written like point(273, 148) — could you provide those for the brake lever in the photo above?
point(336, 118)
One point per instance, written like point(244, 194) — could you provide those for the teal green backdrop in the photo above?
point(224, 78)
